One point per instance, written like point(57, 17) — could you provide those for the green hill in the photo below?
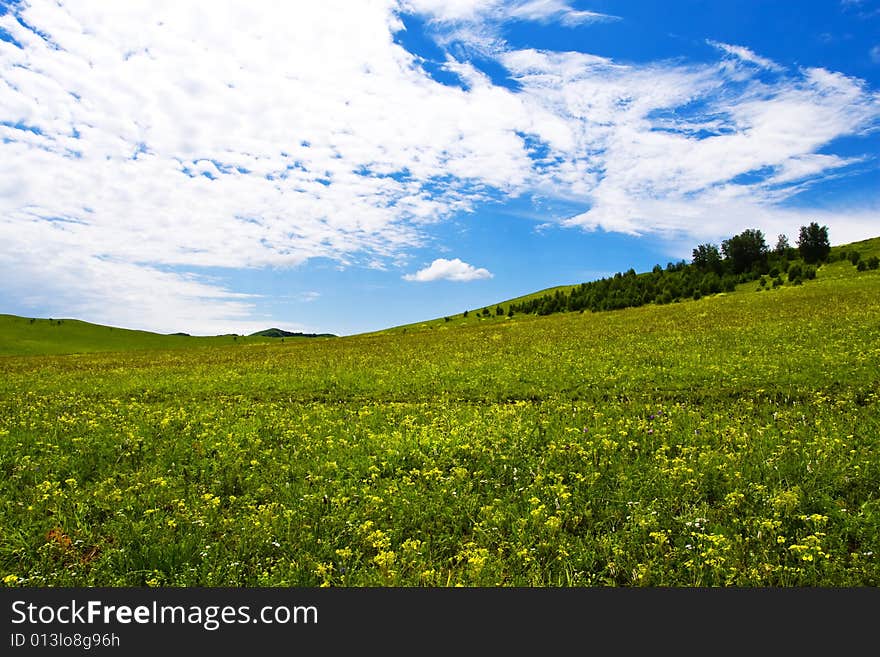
point(841, 263)
point(24, 336)
point(726, 442)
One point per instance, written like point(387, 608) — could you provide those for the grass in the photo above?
point(26, 336)
point(731, 441)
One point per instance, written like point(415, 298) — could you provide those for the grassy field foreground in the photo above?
point(729, 441)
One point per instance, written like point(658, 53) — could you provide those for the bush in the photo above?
point(862, 266)
point(854, 257)
point(777, 282)
point(795, 271)
point(711, 284)
point(873, 262)
point(809, 273)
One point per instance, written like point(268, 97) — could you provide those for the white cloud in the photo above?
point(137, 147)
point(746, 55)
point(483, 11)
point(875, 54)
point(660, 148)
point(448, 270)
point(544, 10)
point(161, 146)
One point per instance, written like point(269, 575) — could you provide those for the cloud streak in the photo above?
point(746, 55)
point(499, 11)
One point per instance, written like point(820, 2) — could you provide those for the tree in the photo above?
point(782, 245)
point(745, 250)
point(706, 257)
point(813, 243)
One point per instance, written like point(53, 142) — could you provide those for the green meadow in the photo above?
point(38, 336)
point(728, 441)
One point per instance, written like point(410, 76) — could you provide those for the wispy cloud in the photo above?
point(448, 270)
point(660, 148)
point(746, 55)
point(863, 8)
point(308, 297)
point(476, 26)
point(483, 11)
point(547, 10)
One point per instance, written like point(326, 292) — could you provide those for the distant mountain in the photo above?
point(279, 333)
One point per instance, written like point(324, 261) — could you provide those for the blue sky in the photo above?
point(216, 167)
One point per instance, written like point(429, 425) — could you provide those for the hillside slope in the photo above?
point(23, 336)
point(836, 268)
point(34, 336)
point(731, 441)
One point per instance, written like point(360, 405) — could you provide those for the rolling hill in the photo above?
point(21, 336)
point(730, 441)
point(837, 268)
point(33, 336)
